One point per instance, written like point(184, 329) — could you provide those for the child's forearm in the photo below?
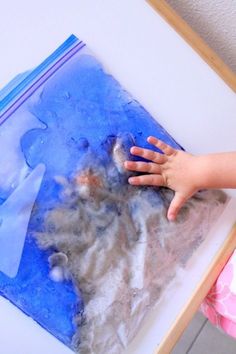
point(216, 170)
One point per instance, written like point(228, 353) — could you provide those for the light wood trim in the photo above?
point(199, 294)
point(195, 41)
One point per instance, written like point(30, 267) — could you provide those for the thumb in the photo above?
point(175, 206)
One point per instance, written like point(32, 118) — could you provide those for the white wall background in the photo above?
point(215, 21)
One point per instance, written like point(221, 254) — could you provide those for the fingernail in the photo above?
point(171, 217)
point(131, 180)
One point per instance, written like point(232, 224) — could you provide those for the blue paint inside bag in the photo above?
point(71, 228)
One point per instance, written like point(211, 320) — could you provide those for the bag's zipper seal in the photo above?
point(39, 75)
point(21, 85)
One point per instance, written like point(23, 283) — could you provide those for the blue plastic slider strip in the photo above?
point(38, 76)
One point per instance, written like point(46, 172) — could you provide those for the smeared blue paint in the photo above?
point(83, 110)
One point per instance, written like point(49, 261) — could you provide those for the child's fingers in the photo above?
point(147, 180)
point(175, 206)
point(148, 154)
point(167, 149)
point(139, 166)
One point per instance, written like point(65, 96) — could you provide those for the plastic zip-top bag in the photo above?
point(82, 252)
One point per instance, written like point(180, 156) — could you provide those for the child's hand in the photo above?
point(174, 169)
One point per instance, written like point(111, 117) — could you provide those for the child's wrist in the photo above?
point(203, 172)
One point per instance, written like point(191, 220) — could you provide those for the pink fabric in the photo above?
point(220, 304)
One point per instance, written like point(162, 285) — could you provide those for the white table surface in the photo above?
point(152, 62)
